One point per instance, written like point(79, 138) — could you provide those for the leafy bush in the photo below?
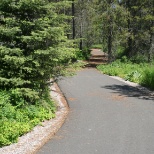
point(16, 120)
point(11, 130)
point(82, 54)
point(133, 76)
point(124, 69)
point(124, 59)
point(139, 58)
point(120, 52)
point(148, 78)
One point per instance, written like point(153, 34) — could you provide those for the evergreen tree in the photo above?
point(33, 44)
point(112, 24)
point(140, 23)
point(85, 17)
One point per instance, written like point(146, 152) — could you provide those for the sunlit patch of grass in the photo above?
point(148, 78)
point(126, 69)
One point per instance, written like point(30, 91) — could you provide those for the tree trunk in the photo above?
point(110, 28)
point(110, 41)
point(129, 50)
point(73, 22)
point(151, 51)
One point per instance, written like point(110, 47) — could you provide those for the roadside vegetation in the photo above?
point(34, 48)
point(142, 73)
point(18, 118)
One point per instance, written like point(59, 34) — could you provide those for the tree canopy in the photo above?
point(117, 24)
point(34, 44)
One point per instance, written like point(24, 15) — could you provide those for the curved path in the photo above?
point(106, 116)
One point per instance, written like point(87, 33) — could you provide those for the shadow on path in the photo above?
point(130, 91)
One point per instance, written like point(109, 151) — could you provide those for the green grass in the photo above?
point(97, 46)
point(17, 120)
point(148, 78)
point(142, 73)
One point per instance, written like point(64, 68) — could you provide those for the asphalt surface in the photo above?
point(106, 116)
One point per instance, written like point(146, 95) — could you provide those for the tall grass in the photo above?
point(124, 69)
point(148, 78)
point(140, 73)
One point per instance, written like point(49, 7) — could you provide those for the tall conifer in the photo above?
point(33, 44)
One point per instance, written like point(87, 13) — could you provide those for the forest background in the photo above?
point(40, 39)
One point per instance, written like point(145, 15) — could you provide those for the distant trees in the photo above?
point(33, 45)
point(139, 26)
point(118, 24)
point(84, 18)
point(113, 20)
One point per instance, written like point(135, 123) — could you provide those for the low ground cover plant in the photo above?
point(142, 73)
point(16, 120)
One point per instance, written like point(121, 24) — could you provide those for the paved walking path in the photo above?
point(106, 116)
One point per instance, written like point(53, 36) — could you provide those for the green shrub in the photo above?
point(81, 55)
point(126, 69)
point(148, 78)
point(120, 52)
point(10, 131)
point(133, 76)
point(18, 119)
point(4, 97)
point(124, 59)
point(139, 58)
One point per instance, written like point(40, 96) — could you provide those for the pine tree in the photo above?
point(84, 17)
point(33, 44)
point(112, 24)
point(140, 23)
